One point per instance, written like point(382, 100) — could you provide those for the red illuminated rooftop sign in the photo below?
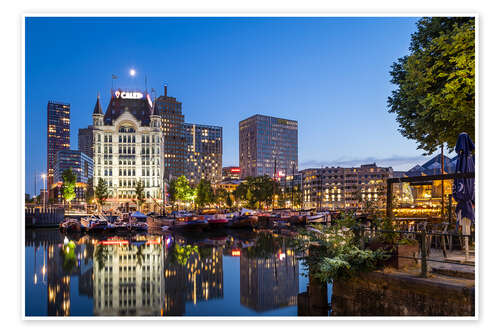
point(235, 170)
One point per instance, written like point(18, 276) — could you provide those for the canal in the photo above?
point(219, 273)
point(223, 273)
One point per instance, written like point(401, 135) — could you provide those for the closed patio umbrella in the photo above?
point(463, 188)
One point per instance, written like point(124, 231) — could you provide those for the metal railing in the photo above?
point(420, 232)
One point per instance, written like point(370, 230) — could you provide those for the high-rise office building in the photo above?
point(85, 141)
point(57, 134)
point(268, 146)
point(128, 146)
point(172, 120)
point(204, 153)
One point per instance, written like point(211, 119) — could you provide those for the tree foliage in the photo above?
point(204, 193)
point(140, 196)
point(101, 192)
point(220, 197)
point(68, 186)
point(180, 190)
point(171, 191)
point(434, 99)
point(229, 200)
point(89, 194)
point(256, 191)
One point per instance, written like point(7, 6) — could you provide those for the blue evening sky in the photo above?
point(330, 74)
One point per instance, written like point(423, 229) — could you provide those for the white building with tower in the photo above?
point(128, 147)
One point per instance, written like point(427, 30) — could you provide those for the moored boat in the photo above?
point(217, 221)
point(244, 221)
point(70, 224)
point(318, 218)
point(97, 223)
point(192, 224)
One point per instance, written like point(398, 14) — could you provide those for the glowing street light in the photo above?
point(132, 72)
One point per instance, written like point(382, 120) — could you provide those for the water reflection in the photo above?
point(269, 276)
point(160, 275)
point(128, 277)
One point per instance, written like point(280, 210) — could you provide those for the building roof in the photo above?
point(97, 107)
point(155, 112)
point(140, 107)
point(432, 167)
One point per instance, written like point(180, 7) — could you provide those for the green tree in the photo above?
point(240, 193)
point(220, 196)
point(101, 192)
point(256, 191)
point(89, 194)
point(204, 193)
point(183, 191)
point(172, 196)
point(68, 186)
point(282, 196)
point(434, 99)
point(297, 196)
point(140, 196)
point(229, 201)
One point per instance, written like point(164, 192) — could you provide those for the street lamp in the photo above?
point(44, 177)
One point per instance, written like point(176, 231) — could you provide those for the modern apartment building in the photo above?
point(337, 187)
point(204, 153)
point(57, 134)
point(268, 146)
point(172, 125)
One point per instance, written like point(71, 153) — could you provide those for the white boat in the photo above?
point(318, 218)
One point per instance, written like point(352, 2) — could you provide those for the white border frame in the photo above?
point(255, 14)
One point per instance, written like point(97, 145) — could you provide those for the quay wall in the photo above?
point(39, 217)
point(42, 237)
point(401, 294)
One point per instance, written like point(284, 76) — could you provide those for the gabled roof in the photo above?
point(433, 167)
point(138, 107)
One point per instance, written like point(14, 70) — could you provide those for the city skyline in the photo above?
point(247, 82)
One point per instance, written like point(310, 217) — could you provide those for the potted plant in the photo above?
point(404, 250)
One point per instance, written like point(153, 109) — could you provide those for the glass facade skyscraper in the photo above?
point(268, 146)
point(81, 165)
point(57, 134)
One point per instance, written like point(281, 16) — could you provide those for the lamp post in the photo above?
point(44, 177)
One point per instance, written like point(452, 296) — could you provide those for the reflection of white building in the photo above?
point(128, 146)
point(130, 281)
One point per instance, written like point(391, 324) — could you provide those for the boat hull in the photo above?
point(244, 222)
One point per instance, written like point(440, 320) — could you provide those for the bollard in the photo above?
point(423, 252)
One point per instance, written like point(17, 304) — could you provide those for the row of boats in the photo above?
point(96, 223)
point(188, 221)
